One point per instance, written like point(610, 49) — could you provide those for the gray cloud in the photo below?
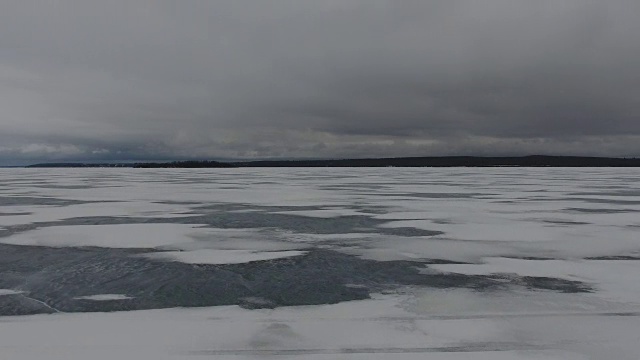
point(290, 78)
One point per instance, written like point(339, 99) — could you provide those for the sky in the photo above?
point(254, 79)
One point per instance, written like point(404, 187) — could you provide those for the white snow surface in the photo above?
point(381, 328)
point(9, 292)
point(116, 236)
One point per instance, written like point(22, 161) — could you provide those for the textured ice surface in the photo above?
point(381, 329)
point(496, 263)
point(323, 213)
point(104, 297)
point(610, 278)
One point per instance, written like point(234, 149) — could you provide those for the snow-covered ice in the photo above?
point(575, 225)
point(9, 292)
point(116, 236)
point(379, 329)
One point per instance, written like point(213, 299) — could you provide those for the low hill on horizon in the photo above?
point(430, 161)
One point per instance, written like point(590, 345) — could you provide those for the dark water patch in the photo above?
point(614, 257)
point(532, 258)
point(254, 183)
point(624, 314)
point(602, 201)
point(408, 232)
point(172, 202)
point(445, 195)
point(18, 304)
point(554, 284)
point(14, 213)
point(606, 185)
point(623, 192)
point(56, 276)
point(441, 262)
point(256, 303)
point(417, 195)
point(31, 200)
point(245, 220)
point(566, 222)
point(217, 207)
point(370, 209)
point(356, 187)
point(443, 221)
point(68, 187)
point(600, 211)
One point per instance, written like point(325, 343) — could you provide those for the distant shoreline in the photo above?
point(433, 161)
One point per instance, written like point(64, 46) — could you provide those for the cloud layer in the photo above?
point(336, 78)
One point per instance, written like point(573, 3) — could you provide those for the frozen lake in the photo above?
point(320, 263)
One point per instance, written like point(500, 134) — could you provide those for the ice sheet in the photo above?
point(499, 220)
point(379, 328)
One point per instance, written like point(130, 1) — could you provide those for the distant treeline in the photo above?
point(79, 165)
point(185, 164)
point(173, 164)
point(435, 161)
point(455, 161)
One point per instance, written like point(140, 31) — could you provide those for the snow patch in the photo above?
point(114, 236)
point(4, 292)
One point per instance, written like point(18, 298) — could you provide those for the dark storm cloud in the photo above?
point(174, 79)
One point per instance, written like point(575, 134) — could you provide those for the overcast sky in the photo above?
point(83, 80)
